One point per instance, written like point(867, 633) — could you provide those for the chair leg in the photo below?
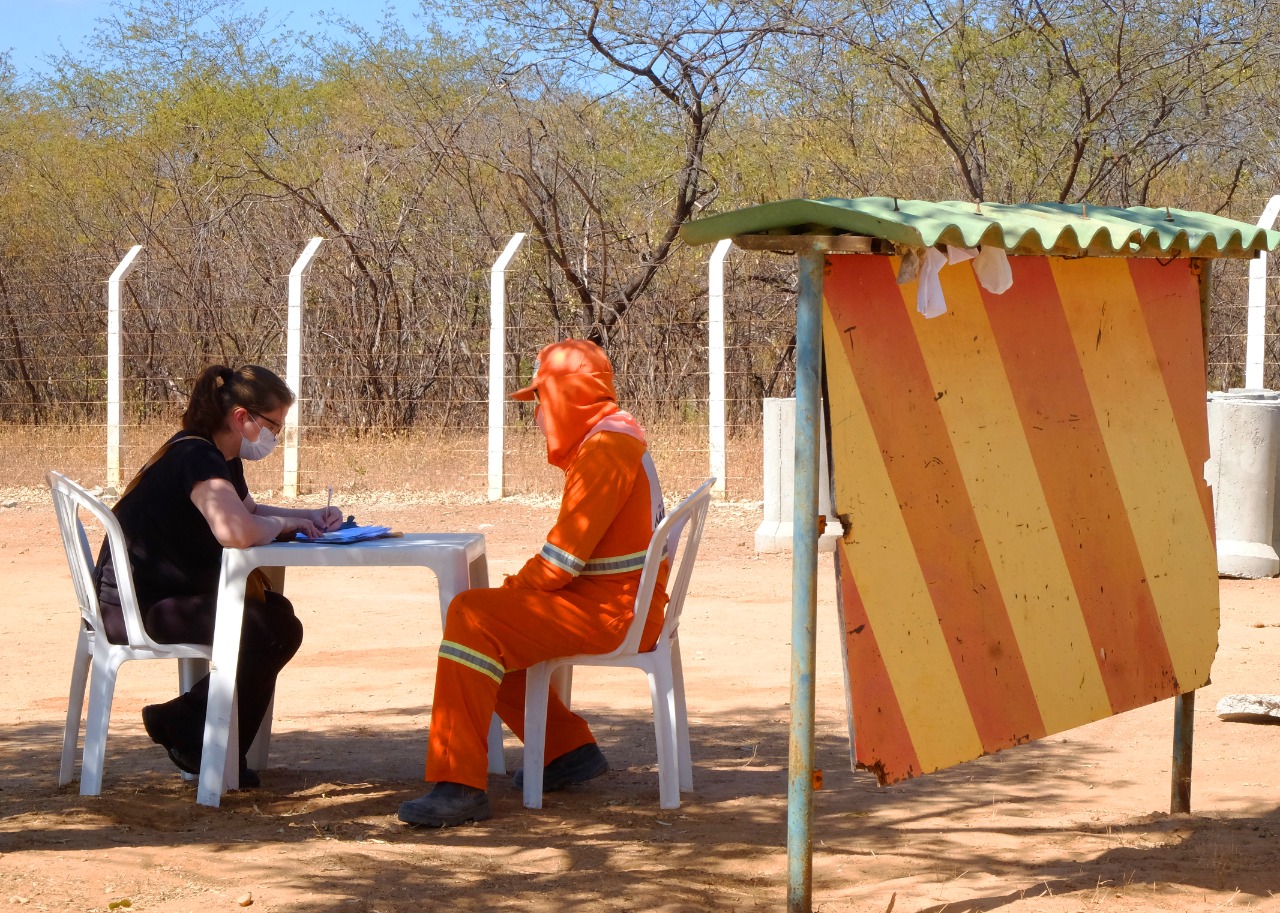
point(537, 688)
point(562, 681)
point(664, 730)
point(191, 670)
point(102, 686)
point(75, 705)
point(497, 756)
point(682, 717)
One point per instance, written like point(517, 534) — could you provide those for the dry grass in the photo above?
point(409, 465)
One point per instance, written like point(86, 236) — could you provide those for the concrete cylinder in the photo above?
point(1244, 444)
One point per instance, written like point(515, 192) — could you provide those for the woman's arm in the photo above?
point(324, 518)
point(234, 525)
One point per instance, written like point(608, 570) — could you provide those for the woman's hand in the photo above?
point(302, 522)
point(311, 523)
point(327, 519)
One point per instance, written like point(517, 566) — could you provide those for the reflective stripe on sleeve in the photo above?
point(618, 564)
point(562, 559)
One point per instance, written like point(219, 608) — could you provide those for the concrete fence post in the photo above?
point(293, 363)
point(113, 364)
point(497, 365)
point(776, 532)
point(715, 366)
point(1255, 341)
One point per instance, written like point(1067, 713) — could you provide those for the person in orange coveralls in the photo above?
point(575, 596)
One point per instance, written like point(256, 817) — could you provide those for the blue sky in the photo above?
point(32, 29)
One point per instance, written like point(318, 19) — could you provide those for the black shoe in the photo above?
point(162, 727)
point(160, 722)
point(446, 805)
point(586, 762)
point(249, 778)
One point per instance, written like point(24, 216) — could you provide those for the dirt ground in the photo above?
point(1075, 822)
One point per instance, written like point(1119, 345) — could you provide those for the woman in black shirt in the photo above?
point(187, 504)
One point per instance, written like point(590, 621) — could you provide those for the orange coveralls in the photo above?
point(575, 596)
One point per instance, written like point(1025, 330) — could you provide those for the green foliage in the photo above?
point(1049, 99)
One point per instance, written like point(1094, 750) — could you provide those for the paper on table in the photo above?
point(348, 534)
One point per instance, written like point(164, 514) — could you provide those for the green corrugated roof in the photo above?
point(1025, 228)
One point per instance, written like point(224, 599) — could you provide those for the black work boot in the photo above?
point(446, 805)
point(586, 762)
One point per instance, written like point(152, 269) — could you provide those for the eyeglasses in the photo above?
point(274, 427)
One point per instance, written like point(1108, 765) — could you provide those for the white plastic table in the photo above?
point(457, 559)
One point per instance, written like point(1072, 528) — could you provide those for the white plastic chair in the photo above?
point(93, 650)
point(661, 664)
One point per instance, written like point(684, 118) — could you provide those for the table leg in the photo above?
point(219, 721)
point(461, 576)
point(452, 580)
point(497, 755)
point(478, 572)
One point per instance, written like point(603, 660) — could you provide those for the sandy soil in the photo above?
point(1074, 822)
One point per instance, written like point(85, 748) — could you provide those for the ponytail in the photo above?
point(219, 389)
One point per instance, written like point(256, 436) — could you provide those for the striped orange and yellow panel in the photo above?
point(1029, 537)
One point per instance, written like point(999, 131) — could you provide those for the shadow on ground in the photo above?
point(324, 824)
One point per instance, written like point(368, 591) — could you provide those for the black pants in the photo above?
point(270, 637)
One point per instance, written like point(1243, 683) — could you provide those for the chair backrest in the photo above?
point(676, 538)
point(68, 500)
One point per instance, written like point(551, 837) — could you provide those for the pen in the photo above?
point(329, 503)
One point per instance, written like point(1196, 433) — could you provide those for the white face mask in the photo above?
point(257, 450)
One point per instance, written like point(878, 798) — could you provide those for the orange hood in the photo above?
point(573, 383)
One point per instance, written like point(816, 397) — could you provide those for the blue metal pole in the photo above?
point(804, 579)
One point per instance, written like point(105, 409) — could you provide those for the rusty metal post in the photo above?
point(1184, 711)
point(804, 578)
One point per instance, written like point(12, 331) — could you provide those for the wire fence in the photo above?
point(1228, 328)
point(394, 381)
point(382, 372)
